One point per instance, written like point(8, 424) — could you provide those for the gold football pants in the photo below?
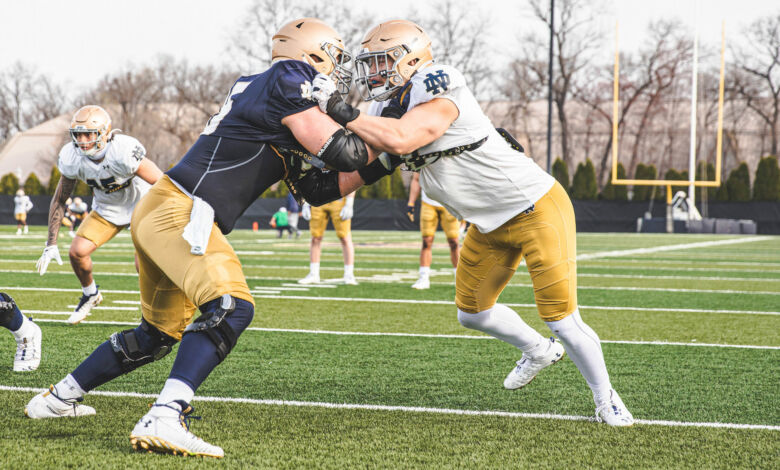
point(173, 281)
point(432, 216)
point(545, 237)
point(332, 211)
point(97, 229)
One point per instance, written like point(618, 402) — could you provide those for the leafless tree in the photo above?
point(460, 38)
point(27, 99)
point(576, 40)
point(756, 74)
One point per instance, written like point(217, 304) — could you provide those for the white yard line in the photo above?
point(427, 335)
point(431, 302)
point(682, 246)
point(411, 409)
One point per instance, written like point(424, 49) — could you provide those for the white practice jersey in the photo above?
point(486, 186)
point(78, 208)
point(114, 184)
point(428, 200)
point(22, 204)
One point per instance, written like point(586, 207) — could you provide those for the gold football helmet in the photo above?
point(20, 192)
point(390, 54)
point(94, 123)
point(314, 42)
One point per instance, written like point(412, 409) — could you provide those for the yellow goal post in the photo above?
point(719, 138)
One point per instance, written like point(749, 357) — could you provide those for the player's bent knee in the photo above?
point(142, 345)
point(223, 320)
point(467, 319)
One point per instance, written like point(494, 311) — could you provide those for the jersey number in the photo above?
point(108, 185)
point(211, 126)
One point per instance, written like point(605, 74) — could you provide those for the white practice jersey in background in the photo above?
point(428, 200)
point(22, 204)
point(486, 186)
point(114, 184)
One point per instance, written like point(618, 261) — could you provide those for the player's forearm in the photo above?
point(414, 190)
point(57, 208)
point(383, 134)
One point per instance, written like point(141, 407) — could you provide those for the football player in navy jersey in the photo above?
point(268, 129)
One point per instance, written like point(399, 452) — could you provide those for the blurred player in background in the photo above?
point(22, 205)
point(280, 222)
point(480, 174)
point(26, 333)
point(431, 215)
point(268, 129)
point(77, 211)
point(116, 168)
point(293, 213)
point(340, 213)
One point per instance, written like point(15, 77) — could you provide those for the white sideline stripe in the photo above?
point(682, 278)
point(430, 335)
point(449, 302)
point(432, 302)
point(682, 246)
point(385, 280)
point(410, 409)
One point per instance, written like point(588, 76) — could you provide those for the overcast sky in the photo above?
point(77, 43)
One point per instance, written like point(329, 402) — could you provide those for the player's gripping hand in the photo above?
point(322, 87)
point(347, 211)
point(410, 212)
point(51, 252)
point(306, 211)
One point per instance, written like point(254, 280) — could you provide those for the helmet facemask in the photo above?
point(341, 73)
point(98, 141)
point(384, 64)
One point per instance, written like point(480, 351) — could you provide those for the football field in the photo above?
point(383, 376)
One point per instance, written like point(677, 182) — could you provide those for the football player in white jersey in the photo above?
point(516, 209)
point(431, 215)
point(22, 205)
point(116, 168)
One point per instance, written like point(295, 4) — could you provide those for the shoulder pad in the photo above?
point(125, 156)
point(433, 81)
point(69, 161)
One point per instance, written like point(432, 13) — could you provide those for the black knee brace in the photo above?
point(140, 346)
point(215, 321)
point(7, 309)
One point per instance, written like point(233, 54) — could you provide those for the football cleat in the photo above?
point(422, 283)
point(529, 366)
point(166, 429)
point(310, 279)
point(49, 405)
point(84, 307)
point(614, 412)
point(350, 280)
point(28, 350)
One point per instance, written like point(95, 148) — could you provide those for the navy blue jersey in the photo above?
point(256, 104)
point(232, 162)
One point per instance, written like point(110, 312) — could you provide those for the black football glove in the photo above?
point(340, 111)
point(410, 212)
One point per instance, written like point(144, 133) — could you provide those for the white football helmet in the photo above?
point(390, 54)
point(95, 123)
point(312, 41)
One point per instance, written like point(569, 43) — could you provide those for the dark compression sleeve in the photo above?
point(344, 152)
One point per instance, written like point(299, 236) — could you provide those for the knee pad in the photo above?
point(223, 320)
point(8, 310)
point(140, 346)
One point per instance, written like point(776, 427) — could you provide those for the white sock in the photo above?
point(175, 390)
point(69, 389)
point(425, 271)
point(314, 269)
point(349, 270)
point(23, 330)
point(505, 324)
point(584, 348)
point(90, 289)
